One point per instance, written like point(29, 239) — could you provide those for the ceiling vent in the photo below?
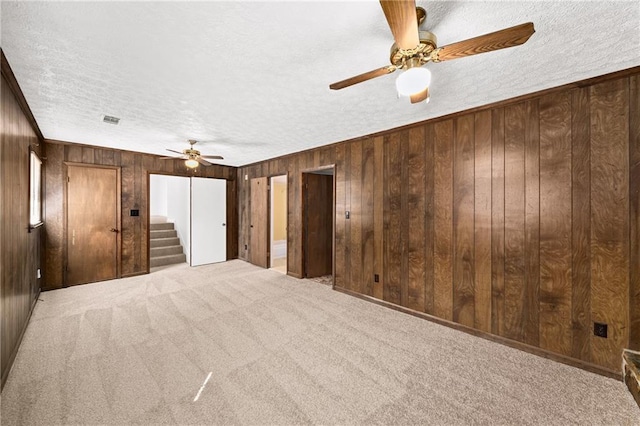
point(109, 119)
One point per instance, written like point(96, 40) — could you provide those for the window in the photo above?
point(35, 191)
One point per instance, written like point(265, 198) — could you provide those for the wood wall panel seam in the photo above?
point(497, 221)
point(532, 224)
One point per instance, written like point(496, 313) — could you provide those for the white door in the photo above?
point(208, 220)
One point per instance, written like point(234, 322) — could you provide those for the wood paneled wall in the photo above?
point(519, 219)
point(20, 250)
point(135, 168)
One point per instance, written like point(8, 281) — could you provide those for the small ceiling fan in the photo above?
point(413, 48)
point(192, 156)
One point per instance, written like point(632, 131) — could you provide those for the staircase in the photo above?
point(165, 245)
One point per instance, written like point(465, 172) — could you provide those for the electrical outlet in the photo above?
point(376, 278)
point(245, 246)
point(600, 329)
point(347, 214)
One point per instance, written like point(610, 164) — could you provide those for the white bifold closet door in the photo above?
point(208, 221)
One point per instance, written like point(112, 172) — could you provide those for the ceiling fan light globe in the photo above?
point(191, 163)
point(412, 81)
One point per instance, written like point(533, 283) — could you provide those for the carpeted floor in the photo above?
point(234, 344)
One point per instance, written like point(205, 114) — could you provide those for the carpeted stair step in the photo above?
point(160, 226)
point(164, 242)
point(165, 251)
point(631, 371)
point(168, 260)
point(164, 233)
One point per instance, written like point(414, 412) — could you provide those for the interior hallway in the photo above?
point(280, 351)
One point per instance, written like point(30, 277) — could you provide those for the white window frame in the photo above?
point(35, 190)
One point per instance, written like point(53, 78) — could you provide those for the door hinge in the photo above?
point(68, 179)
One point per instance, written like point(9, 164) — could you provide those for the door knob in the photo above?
point(114, 230)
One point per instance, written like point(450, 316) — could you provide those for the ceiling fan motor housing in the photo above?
point(401, 58)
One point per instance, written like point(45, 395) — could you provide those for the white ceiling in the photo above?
point(251, 79)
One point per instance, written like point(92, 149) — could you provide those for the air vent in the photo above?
point(110, 119)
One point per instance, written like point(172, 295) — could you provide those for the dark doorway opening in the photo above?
point(318, 207)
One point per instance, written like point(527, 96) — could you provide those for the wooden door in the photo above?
point(208, 221)
point(318, 225)
point(93, 224)
point(259, 226)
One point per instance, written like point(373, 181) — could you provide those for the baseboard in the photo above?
point(593, 368)
point(14, 352)
point(133, 274)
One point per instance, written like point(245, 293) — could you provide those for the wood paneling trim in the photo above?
point(634, 212)
point(594, 368)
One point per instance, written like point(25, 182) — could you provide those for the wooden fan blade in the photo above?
point(420, 96)
point(212, 157)
point(171, 158)
point(172, 150)
point(403, 22)
point(203, 161)
point(509, 37)
point(363, 77)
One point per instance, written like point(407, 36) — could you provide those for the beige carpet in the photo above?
point(276, 350)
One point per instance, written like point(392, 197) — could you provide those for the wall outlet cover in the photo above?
point(600, 329)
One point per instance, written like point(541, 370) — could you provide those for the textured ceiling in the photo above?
point(251, 79)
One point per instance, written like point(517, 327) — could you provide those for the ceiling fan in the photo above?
point(413, 48)
point(192, 156)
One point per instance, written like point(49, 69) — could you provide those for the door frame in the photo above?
point(65, 211)
point(303, 219)
point(270, 209)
